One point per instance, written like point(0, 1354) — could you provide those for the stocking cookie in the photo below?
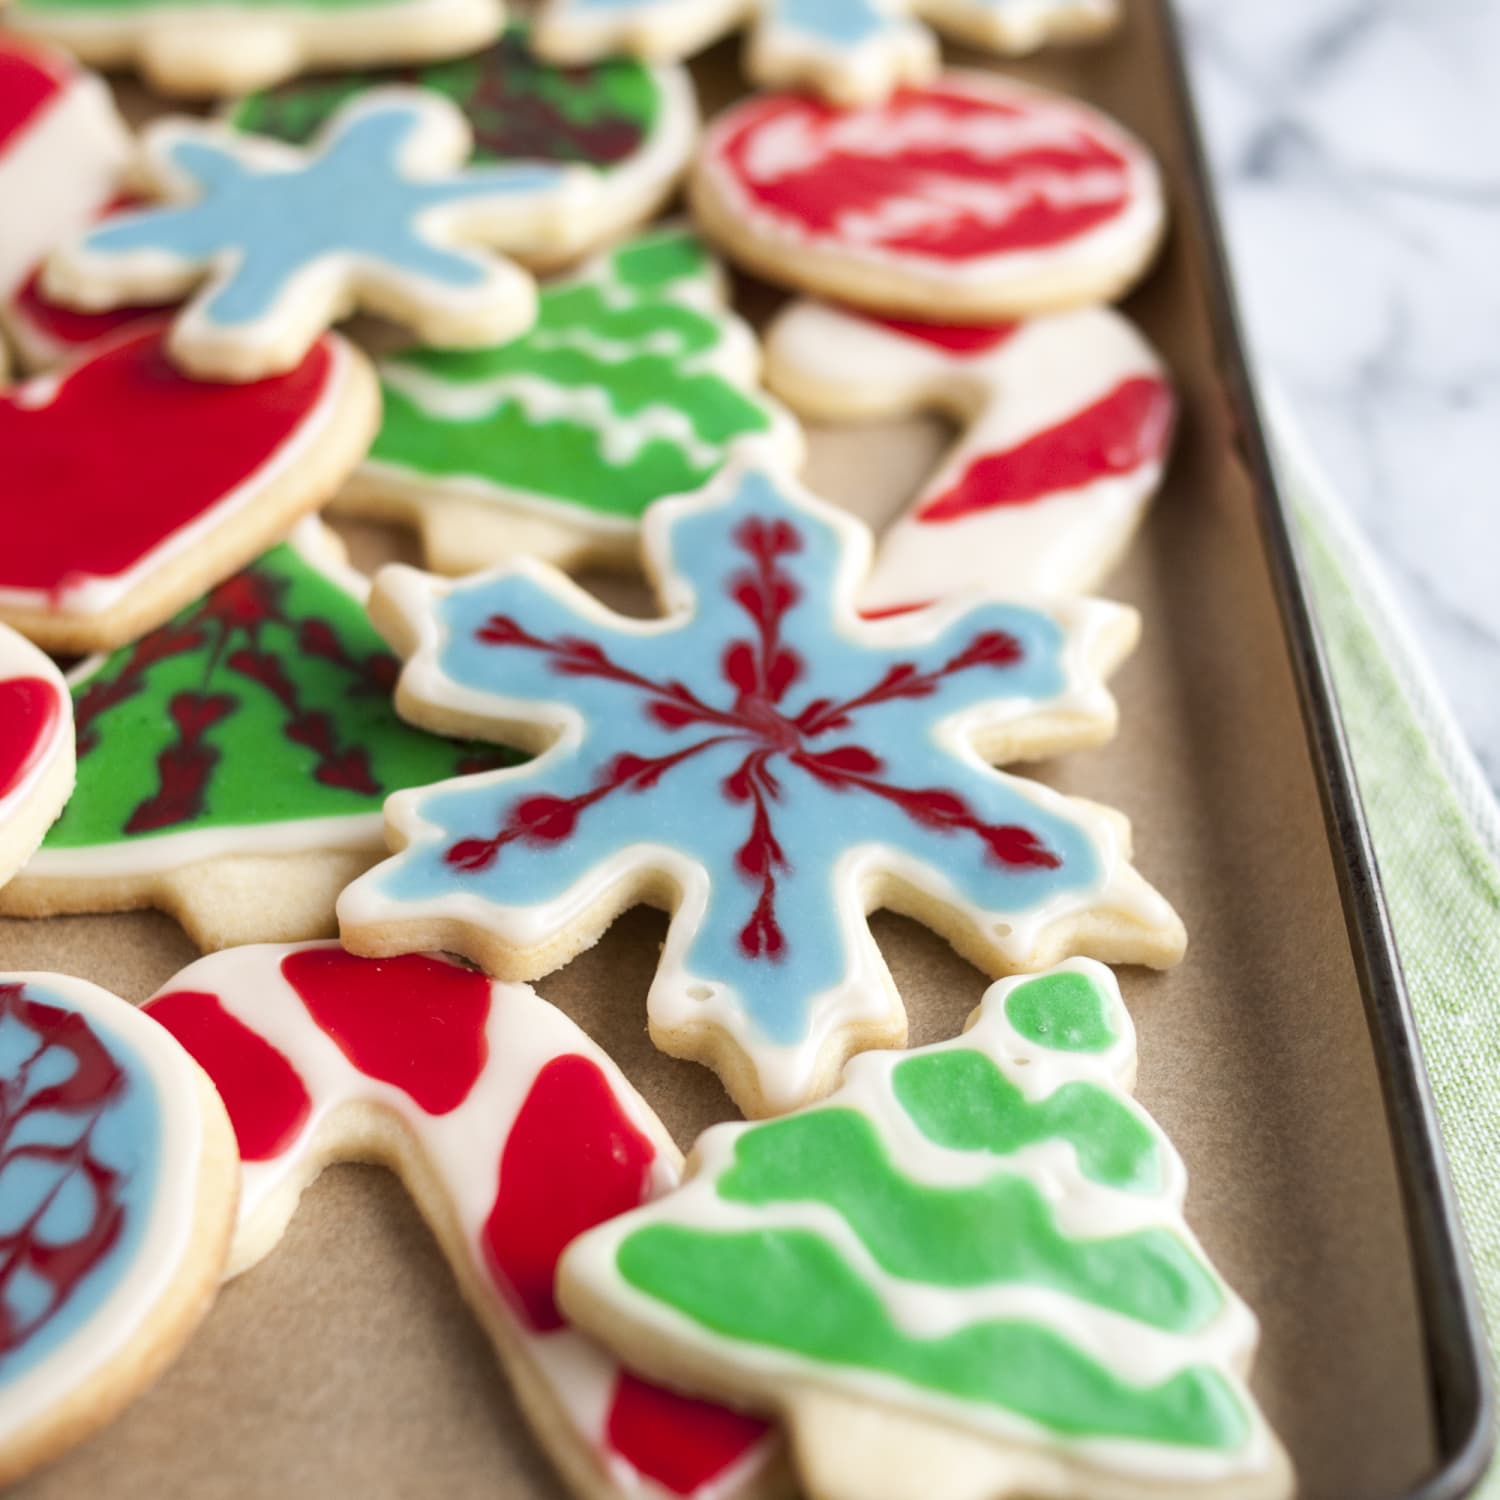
point(764, 765)
point(62, 149)
point(850, 51)
point(972, 200)
point(483, 1099)
point(197, 47)
point(36, 749)
point(632, 385)
point(136, 488)
point(276, 242)
point(966, 1273)
point(1067, 420)
point(117, 1195)
point(232, 764)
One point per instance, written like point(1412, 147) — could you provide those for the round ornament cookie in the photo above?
point(512, 1132)
point(971, 200)
point(135, 488)
point(966, 1273)
point(232, 763)
point(633, 385)
point(764, 765)
point(36, 749)
point(272, 243)
point(118, 1179)
point(1066, 423)
point(203, 47)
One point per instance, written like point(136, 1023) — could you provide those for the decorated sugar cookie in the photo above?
point(512, 1131)
point(631, 386)
point(966, 1273)
point(1067, 420)
point(134, 488)
point(62, 149)
point(275, 242)
point(850, 51)
point(36, 749)
point(197, 47)
point(117, 1197)
point(764, 765)
point(972, 200)
point(232, 763)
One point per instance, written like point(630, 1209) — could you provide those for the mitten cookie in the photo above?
point(36, 749)
point(632, 385)
point(134, 488)
point(766, 766)
point(233, 763)
point(511, 1130)
point(1066, 422)
point(971, 200)
point(117, 1195)
point(966, 1274)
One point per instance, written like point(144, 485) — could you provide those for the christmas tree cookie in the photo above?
point(232, 764)
point(965, 1274)
point(632, 385)
point(765, 765)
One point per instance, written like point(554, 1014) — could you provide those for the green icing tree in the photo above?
point(986, 1232)
point(268, 701)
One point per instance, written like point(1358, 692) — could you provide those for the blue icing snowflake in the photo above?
point(762, 761)
point(370, 212)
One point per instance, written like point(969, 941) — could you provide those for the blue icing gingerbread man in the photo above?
point(766, 765)
point(379, 212)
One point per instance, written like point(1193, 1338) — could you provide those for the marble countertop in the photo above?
point(1357, 149)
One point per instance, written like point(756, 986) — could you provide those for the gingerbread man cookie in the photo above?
point(632, 385)
point(117, 1196)
point(483, 1098)
point(971, 200)
point(36, 749)
point(766, 766)
point(966, 1273)
point(233, 763)
point(1067, 421)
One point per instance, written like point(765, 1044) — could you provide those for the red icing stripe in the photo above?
point(956, 338)
point(414, 1022)
point(1120, 432)
point(29, 716)
point(126, 450)
point(30, 79)
point(267, 1101)
point(573, 1160)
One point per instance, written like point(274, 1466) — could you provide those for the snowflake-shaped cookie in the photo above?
point(851, 51)
point(765, 765)
point(287, 240)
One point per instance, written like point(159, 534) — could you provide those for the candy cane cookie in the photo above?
point(512, 1132)
point(1067, 419)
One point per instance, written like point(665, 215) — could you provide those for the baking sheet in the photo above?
point(347, 1364)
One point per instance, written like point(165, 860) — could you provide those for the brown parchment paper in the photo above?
point(346, 1364)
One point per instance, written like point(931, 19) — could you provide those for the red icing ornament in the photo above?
point(267, 1102)
point(30, 80)
point(29, 717)
point(109, 460)
point(573, 1159)
point(1121, 431)
point(414, 1022)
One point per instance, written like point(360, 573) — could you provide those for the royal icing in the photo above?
point(36, 748)
point(975, 195)
point(986, 1233)
point(101, 1145)
point(632, 385)
point(120, 466)
point(765, 765)
point(1067, 421)
point(850, 50)
point(517, 1133)
point(379, 211)
point(257, 721)
point(62, 147)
